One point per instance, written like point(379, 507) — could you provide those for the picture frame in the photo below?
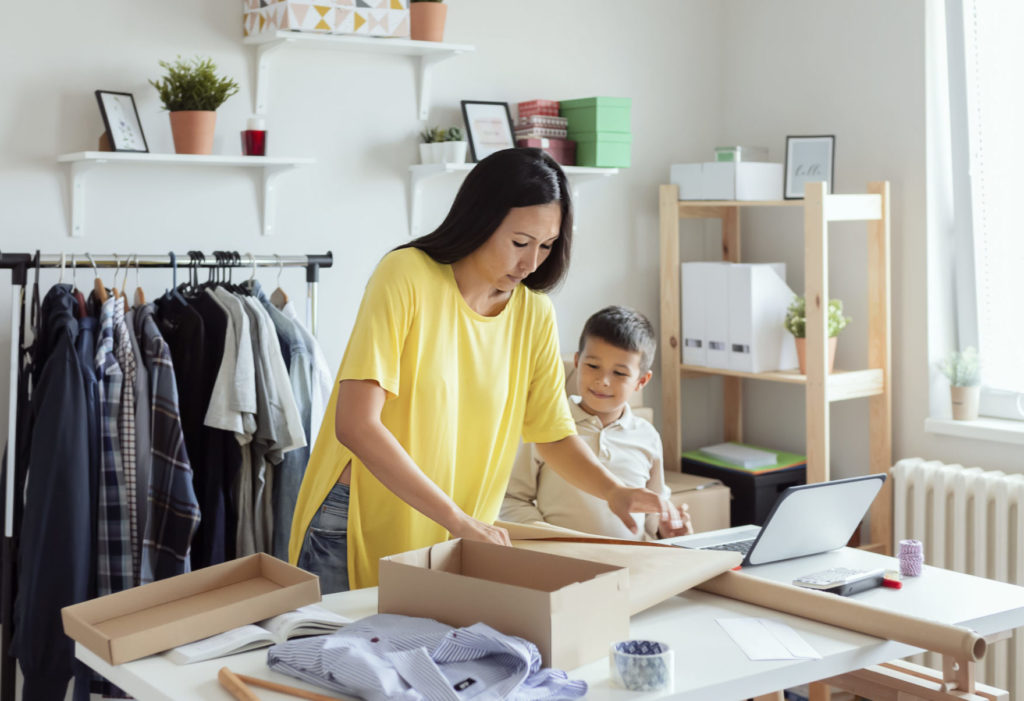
point(488, 128)
point(121, 121)
point(808, 159)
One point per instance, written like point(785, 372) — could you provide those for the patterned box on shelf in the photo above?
point(541, 133)
point(542, 107)
point(385, 18)
point(597, 114)
point(545, 121)
point(562, 150)
point(603, 149)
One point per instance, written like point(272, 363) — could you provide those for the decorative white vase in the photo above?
point(965, 402)
point(455, 151)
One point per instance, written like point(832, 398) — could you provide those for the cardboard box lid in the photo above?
point(144, 620)
point(683, 482)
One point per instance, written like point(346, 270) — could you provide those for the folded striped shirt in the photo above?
point(400, 657)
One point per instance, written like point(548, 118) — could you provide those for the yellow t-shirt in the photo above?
point(461, 390)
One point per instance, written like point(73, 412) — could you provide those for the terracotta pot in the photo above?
point(965, 402)
point(801, 353)
point(426, 20)
point(193, 131)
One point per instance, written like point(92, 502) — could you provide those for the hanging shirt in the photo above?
point(126, 430)
point(143, 442)
point(56, 530)
point(320, 371)
point(113, 542)
point(461, 390)
point(173, 513)
point(419, 659)
point(629, 447)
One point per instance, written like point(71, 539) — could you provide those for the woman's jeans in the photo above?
point(325, 548)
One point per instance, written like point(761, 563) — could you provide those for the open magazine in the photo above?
point(308, 620)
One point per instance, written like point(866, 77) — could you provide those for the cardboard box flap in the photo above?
point(683, 482)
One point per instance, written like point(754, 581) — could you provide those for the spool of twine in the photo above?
point(911, 557)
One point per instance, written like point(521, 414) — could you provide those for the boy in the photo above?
point(614, 359)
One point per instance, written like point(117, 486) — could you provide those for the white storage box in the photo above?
point(385, 18)
point(728, 181)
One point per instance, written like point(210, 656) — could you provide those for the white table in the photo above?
point(709, 665)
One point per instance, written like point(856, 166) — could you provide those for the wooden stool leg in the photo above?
point(820, 692)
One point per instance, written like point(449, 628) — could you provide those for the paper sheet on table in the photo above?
point(767, 639)
point(656, 573)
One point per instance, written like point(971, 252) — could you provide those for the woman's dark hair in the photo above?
point(515, 177)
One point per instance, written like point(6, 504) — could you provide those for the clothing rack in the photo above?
point(20, 264)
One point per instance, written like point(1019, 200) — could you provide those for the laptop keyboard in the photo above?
point(739, 546)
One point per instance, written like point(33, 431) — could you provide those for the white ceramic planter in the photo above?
point(455, 151)
point(434, 153)
point(965, 402)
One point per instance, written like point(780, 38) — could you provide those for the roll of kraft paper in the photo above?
point(960, 643)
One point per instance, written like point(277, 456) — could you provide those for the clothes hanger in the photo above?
point(97, 287)
point(124, 283)
point(79, 297)
point(140, 296)
point(279, 297)
point(117, 269)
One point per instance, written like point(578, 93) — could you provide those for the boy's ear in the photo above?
point(644, 379)
point(576, 360)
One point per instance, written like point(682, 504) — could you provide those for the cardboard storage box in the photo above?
point(155, 617)
point(385, 18)
point(728, 181)
point(707, 499)
point(570, 609)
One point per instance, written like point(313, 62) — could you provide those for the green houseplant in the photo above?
point(963, 370)
point(443, 145)
point(796, 324)
point(191, 91)
point(426, 20)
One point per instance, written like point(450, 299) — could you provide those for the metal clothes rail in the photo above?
point(20, 264)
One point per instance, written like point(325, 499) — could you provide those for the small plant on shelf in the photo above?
point(962, 368)
point(192, 91)
point(796, 317)
point(796, 324)
point(442, 145)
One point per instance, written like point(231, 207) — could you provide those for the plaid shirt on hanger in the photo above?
point(126, 428)
point(114, 556)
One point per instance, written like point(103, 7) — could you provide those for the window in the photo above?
point(987, 119)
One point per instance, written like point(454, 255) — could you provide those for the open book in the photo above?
point(308, 620)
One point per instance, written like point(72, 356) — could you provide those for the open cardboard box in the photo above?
point(570, 609)
point(144, 620)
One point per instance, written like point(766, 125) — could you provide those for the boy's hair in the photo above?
point(623, 328)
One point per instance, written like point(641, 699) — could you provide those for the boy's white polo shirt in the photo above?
point(629, 447)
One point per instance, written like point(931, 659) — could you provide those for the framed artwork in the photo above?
point(808, 159)
point(489, 125)
point(121, 120)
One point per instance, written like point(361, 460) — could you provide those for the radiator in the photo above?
point(970, 520)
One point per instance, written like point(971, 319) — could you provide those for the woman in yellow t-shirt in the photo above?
point(453, 357)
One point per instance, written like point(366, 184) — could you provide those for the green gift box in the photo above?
point(596, 114)
point(603, 149)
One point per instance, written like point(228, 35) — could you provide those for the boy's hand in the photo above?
point(681, 525)
point(625, 501)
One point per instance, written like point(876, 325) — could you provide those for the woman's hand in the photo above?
point(626, 501)
point(472, 529)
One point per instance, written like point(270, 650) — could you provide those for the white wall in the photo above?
point(700, 73)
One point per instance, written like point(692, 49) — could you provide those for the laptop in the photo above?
point(805, 520)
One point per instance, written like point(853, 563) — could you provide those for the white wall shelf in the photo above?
point(419, 173)
point(82, 162)
point(427, 53)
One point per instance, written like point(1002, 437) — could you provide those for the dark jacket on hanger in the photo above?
point(55, 550)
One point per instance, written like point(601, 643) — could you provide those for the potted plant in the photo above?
point(191, 91)
point(443, 145)
point(796, 324)
point(426, 19)
point(963, 370)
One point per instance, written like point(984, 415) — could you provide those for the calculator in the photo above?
point(841, 580)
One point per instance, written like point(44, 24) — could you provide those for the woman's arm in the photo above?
point(574, 462)
point(358, 426)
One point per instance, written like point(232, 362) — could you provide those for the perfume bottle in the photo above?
point(254, 137)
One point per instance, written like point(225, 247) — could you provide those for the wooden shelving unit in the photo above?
point(821, 388)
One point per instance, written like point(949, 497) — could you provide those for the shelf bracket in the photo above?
point(263, 52)
point(415, 197)
point(268, 203)
point(426, 66)
point(76, 187)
